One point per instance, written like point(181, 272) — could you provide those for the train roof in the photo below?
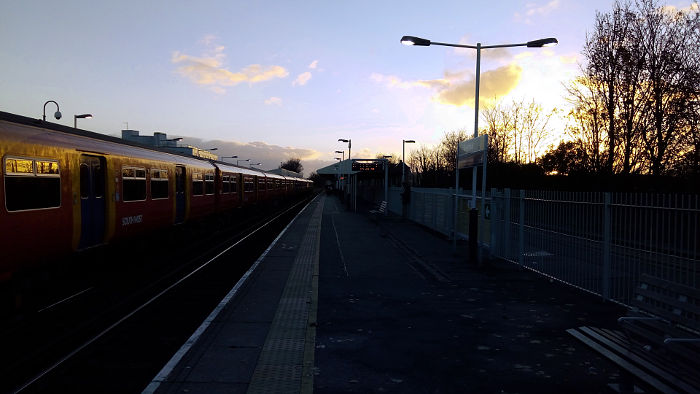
point(34, 131)
point(235, 169)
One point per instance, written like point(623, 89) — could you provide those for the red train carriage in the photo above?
point(63, 189)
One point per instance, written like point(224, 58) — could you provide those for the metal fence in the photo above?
point(600, 242)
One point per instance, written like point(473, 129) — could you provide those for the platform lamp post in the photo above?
point(82, 116)
point(403, 159)
point(254, 164)
point(337, 168)
point(349, 141)
point(411, 40)
point(57, 115)
point(386, 183)
point(229, 157)
point(238, 161)
point(341, 151)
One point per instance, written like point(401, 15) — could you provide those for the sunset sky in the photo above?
point(268, 80)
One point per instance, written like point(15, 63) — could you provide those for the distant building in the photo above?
point(161, 141)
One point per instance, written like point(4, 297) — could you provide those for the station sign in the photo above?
point(367, 165)
point(472, 152)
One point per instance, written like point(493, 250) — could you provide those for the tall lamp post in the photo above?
point(341, 151)
point(82, 116)
point(349, 141)
point(229, 157)
point(411, 40)
point(403, 158)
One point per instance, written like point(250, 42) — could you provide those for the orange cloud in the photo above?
point(208, 70)
point(493, 84)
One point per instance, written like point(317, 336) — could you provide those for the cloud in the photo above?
point(533, 10)
point(493, 84)
point(257, 151)
point(302, 79)
point(458, 91)
point(313, 65)
point(273, 101)
point(208, 69)
point(393, 81)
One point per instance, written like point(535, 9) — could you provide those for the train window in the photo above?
point(197, 184)
point(134, 184)
point(26, 189)
point(225, 184)
point(159, 184)
point(45, 167)
point(208, 183)
point(19, 166)
point(248, 185)
point(234, 185)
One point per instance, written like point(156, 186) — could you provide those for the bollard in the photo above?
point(473, 233)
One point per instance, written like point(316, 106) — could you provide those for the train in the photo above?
point(64, 189)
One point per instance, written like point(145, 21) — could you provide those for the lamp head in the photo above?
point(411, 40)
point(57, 115)
point(543, 42)
point(409, 141)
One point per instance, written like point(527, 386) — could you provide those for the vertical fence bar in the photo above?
point(521, 235)
point(495, 215)
point(606, 248)
point(506, 223)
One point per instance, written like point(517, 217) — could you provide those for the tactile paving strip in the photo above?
point(280, 366)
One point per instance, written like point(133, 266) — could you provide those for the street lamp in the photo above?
point(411, 40)
point(544, 42)
point(254, 164)
point(403, 159)
point(57, 115)
point(349, 141)
point(341, 151)
point(82, 116)
point(229, 157)
point(238, 161)
point(211, 149)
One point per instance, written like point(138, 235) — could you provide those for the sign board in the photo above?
point(472, 152)
point(367, 165)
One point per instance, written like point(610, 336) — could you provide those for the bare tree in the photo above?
point(605, 48)
point(293, 164)
point(448, 149)
point(670, 43)
point(586, 123)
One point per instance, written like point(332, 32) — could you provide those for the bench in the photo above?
point(658, 346)
point(380, 210)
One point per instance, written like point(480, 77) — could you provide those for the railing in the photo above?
point(600, 242)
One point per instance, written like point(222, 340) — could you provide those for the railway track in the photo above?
point(112, 329)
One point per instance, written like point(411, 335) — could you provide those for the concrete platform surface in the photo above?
point(346, 303)
point(400, 312)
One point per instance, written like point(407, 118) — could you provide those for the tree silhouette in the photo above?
point(293, 164)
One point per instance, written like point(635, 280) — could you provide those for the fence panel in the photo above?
point(600, 242)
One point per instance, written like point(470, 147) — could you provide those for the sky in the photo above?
point(271, 80)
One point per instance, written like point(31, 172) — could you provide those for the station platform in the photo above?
point(346, 302)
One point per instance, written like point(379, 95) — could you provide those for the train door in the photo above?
point(180, 182)
point(92, 200)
